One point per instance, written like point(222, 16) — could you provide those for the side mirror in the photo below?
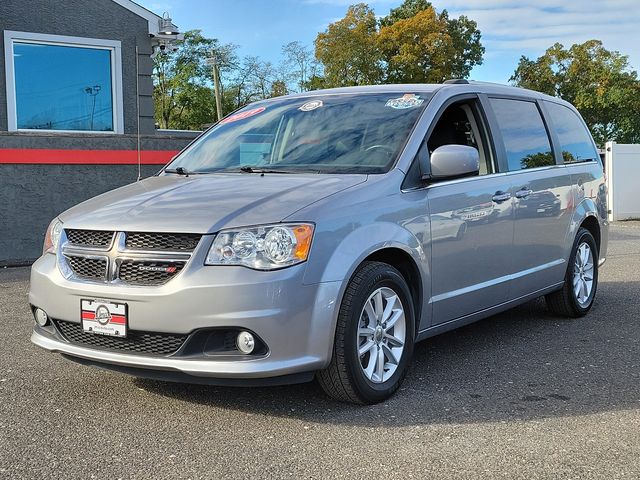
point(450, 161)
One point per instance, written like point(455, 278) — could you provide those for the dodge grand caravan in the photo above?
point(324, 234)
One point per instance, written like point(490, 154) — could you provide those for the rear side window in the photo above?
point(575, 139)
point(524, 134)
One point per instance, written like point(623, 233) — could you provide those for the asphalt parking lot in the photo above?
point(519, 395)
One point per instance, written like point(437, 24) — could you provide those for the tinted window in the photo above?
point(63, 87)
point(575, 140)
point(523, 132)
point(359, 133)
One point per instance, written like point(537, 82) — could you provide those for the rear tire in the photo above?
point(374, 337)
point(575, 299)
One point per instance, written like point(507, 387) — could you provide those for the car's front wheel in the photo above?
point(374, 337)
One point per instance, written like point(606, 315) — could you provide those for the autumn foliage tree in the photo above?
point(444, 47)
point(414, 43)
point(599, 82)
point(348, 50)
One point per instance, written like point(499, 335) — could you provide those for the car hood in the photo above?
point(204, 203)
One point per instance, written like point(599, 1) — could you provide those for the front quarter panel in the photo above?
point(357, 223)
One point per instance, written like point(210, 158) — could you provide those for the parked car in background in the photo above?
point(323, 234)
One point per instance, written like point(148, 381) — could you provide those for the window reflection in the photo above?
point(574, 138)
point(63, 87)
point(523, 132)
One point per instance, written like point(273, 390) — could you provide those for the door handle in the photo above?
point(500, 197)
point(523, 193)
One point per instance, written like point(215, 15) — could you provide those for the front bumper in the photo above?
point(295, 321)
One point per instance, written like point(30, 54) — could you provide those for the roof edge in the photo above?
point(139, 10)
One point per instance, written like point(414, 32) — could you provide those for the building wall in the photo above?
point(44, 173)
point(31, 195)
point(102, 19)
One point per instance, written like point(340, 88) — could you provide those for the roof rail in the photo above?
point(456, 81)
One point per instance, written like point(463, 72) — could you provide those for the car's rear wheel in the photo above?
point(374, 337)
point(576, 297)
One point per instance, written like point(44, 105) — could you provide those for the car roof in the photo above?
point(458, 86)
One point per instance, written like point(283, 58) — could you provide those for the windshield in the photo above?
point(354, 133)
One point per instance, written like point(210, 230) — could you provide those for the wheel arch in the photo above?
point(591, 223)
point(406, 265)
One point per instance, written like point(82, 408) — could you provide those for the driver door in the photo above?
point(470, 271)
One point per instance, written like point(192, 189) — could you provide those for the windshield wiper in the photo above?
point(248, 169)
point(178, 170)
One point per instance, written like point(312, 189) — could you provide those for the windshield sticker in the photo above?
point(408, 100)
point(243, 115)
point(307, 107)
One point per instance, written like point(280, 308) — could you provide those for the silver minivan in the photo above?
point(323, 234)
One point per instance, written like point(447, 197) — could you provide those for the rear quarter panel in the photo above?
point(590, 198)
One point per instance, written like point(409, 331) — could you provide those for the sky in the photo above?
point(509, 28)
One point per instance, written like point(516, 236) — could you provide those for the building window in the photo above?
point(68, 84)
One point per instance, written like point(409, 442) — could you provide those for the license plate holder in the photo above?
point(104, 317)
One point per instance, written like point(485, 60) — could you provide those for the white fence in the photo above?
point(622, 164)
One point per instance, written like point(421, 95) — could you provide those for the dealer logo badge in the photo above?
point(103, 315)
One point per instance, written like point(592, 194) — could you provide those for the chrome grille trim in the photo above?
point(117, 255)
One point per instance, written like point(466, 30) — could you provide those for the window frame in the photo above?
point(413, 180)
point(114, 46)
point(551, 135)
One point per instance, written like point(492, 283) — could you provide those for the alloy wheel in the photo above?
point(583, 274)
point(381, 334)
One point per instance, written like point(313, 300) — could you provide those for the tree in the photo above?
point(600, 83)
point(416, 49)
point(299, 58)
point(348, 49)
point(467, 49)
point(464, 50)
point(408, 9)
point(279, 88)
point(182, 94)
point(414, 43)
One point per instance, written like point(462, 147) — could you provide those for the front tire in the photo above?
point(575, 299)
point(374, 337)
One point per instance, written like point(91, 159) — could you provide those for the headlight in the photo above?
point(263, 248)
point(52, 236)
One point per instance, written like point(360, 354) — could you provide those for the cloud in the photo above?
point(346, 3)
point(530, 27)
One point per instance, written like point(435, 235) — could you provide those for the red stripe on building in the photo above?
point(88, 157)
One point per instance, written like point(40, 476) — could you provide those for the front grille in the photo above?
point(88, 267)
point(150, 343)
point(90, 238)
point(177, 242)
point(152, 273)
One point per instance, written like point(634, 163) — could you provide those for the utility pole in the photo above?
point(215, 71)
point(93, 92)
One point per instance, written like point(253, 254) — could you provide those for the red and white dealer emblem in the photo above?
point(104, 317)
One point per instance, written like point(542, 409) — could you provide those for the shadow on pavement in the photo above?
point(521, 364)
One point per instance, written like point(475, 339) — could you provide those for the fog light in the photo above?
point(41, 317)
point(245, 342)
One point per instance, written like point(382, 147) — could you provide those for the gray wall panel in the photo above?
point(31, 195)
